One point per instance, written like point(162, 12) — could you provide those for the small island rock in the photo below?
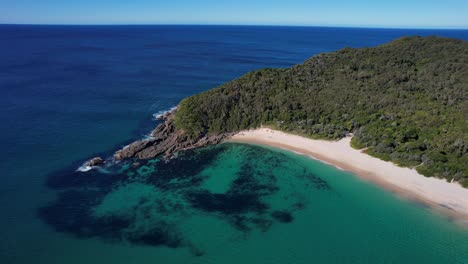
point(95, 162)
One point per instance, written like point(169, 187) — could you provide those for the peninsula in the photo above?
point(405, 103)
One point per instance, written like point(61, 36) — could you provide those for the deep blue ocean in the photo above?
point(72, 92)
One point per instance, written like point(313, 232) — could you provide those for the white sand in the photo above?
point(450, 198)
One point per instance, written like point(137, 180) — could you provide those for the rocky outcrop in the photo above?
point(165, 140)
point(94, 162)
point(165, 115)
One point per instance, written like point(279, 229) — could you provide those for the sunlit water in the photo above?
point(237, 203)
point(69, 93)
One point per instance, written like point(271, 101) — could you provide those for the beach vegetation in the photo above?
point(405, 101)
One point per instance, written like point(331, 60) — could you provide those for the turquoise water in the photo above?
point(72, 92)
point(237, 203)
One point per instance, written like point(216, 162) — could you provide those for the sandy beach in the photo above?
point(446, 197)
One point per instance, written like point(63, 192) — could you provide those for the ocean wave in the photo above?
point(102, 169)
point(148, 136)
point(84, 168)
point(158, 115)
point(110, 161)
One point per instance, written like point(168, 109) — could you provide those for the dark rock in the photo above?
point(94, 162)
point(166, 140)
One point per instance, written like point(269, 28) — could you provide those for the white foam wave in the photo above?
point(102, 168)
point(109, 162)
point(160, 114)
point(84, 168)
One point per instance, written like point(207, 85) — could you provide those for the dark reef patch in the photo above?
point(318, 182)
point(162, 234)
point(226, 203)
point(183, 171)
point(282, 216)
point(143, 204)
point(71, 213)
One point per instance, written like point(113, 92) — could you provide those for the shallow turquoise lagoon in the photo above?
point(237, 203)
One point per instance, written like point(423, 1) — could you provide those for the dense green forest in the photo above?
point(405, 101)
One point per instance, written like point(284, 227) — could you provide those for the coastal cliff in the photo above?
point(166, 140)
point(405, 102)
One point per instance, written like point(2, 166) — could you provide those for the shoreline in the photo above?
point(450, 199)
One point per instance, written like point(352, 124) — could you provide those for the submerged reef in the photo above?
point(149, 204)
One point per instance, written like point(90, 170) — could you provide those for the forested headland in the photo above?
point(405, 102)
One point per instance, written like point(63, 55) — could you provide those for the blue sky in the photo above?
point(360, 13)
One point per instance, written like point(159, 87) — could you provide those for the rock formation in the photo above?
point(165, 140)
point(96, 161)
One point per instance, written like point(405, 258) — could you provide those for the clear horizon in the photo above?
point(411, 14)
point(240, 25)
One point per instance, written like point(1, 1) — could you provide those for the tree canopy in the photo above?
point(405, 101)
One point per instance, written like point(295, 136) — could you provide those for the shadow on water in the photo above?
point(144, 204)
